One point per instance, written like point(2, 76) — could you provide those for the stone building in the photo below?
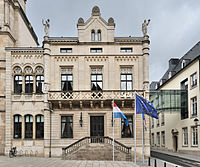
point(15, 31)
point(62, 92)
point(177, 128)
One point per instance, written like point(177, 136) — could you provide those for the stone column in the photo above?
point(145, 51)
point(47, 52)
point(6, 15)
point(9, 125)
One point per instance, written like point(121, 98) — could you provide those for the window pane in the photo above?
point(123, 77)
point(93, 77)
point(129, 77)
point(67, 127)
point(99, 77)
point(99, 85)
point(69, 77)
point(64, 77)
point(123, 85)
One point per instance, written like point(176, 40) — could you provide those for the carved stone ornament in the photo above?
point(110, 20)
point(80, 20)
point(95, 10)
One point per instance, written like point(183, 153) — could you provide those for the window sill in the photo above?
point(193, 86)
point(195, 146)
point(184, 145)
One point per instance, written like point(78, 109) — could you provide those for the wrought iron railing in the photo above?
point(86, 140)
point(93, 95)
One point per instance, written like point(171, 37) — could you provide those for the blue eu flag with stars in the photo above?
point(143, 106)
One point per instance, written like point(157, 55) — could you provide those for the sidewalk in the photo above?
point(181, 155)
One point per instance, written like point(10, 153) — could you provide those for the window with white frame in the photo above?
point(183, 63)
point(66, 79)
point(152, 122)
point(185, 136)
point(96, 78)
point(193, 79)
point(194, 136)
point(163, 138)
point(152, 139)
point(194, 106)
point(158, 138)
point(126, 78)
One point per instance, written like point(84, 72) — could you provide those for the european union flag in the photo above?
point(145, 107)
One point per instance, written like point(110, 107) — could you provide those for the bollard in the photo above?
point(165, 165)
point(155, 164)
point(149, 163)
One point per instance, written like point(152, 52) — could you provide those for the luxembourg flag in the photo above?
point(118, 114)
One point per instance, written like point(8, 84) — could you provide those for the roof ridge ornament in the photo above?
point(96, 11)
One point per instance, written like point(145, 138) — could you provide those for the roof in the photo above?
point(175, 64)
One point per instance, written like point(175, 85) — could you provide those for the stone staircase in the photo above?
point(98, 149)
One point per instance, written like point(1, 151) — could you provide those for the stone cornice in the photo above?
point(9, 34)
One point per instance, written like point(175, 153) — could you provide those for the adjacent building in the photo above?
point(62, 92)
point(178, 98)
point(15, 31)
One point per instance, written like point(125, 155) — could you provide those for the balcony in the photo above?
point(93, 95)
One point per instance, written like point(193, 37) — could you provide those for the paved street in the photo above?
point(57, 162)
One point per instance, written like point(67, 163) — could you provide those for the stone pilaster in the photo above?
point(145, 51)
point(8, 133)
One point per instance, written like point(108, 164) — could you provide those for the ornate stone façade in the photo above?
point(79, 79)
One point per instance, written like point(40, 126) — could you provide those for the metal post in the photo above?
point(142, 140)
point(149, 162)
point(155, 164)
point(50, 136)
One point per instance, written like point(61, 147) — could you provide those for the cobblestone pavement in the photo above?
point(57, 162)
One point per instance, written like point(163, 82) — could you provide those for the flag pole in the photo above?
point(113, 135)
point(142, 139)
point(135, 132)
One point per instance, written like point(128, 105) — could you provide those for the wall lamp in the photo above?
point(196, 120)
point(81, 120)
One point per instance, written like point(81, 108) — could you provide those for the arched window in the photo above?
point(17, 127)
point(28, 80)
point(99, 35)
point(17, 79)
point(93, 35)
point(39, 80)
point(39, 126)
point(28, 126)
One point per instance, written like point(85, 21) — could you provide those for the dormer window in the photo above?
point(93, 35)
point(99, 35)
point(183, 64)
point(169, 74)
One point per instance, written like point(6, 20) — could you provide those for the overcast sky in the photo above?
point(173, 30)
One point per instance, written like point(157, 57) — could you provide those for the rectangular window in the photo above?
point(28, 127)
point(162, 118)
point(158, 138)
point(158, 121)
point(66, 79)
point(17, 127)
point(66, 127)
point(185, 136)
point(126, 50)
point(152, 139)
point(163, 138)
point(194, 106)
point(29, 84)
point(96, 79)
point(194, 136)
point(184, 102)
point(65, 50)
point(39, 84)
point(152, 122)
point(127, 131)
point(194, 79)
point(18, 84)
point(39, 127)
point(96, 50)
point(126, 79)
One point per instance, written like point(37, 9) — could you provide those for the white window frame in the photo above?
point(194, 131)
point(194, 106)
point(185, 136)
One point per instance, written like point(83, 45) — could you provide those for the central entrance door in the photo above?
point(96, 125)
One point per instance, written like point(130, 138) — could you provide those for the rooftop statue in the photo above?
point(46, 26)
point(144, 27)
